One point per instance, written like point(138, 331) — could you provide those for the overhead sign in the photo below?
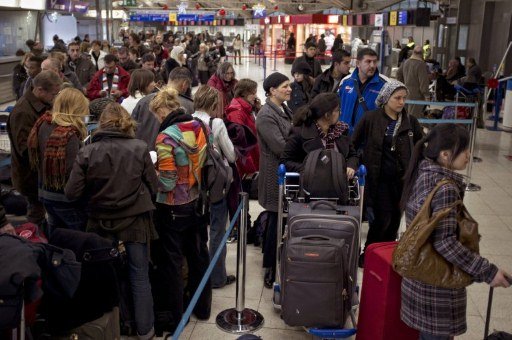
point(392, 18)
point(379, 20)
point(402, 18)
point(149, 17)
point(67, 6)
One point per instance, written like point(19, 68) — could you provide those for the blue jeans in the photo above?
point(64, 215)
point(138, 271)
point(427, 336)
point(218, 221)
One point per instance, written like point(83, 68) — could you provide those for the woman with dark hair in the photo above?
point(237, 48)
point(440, 313)
point(142, 83)
point(301, 87)
point(273, 124)
point(386, 136)
point(224, 81)
point(337, 45)
point(317, 126)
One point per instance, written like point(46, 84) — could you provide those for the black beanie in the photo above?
point(274, 80)
point(301, 67)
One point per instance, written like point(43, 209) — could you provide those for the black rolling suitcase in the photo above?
point(319, 263)
point(496, 335)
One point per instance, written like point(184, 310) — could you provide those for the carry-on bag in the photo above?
point(318, 267)
point(379, 309)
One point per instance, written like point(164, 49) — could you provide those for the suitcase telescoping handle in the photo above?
point(489, 308)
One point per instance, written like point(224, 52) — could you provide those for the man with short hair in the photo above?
point(111, 81)
point(26, 112)
point(330, 79)
point(413, 73)
point(125, 61)
point(180, 79)
point(359, 91)
point(309, 57)
point(33, 66)
point(54, 65)
point(83, 68)
point(148, 63)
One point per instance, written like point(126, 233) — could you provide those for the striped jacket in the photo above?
point(435, 310)
point(181, 151)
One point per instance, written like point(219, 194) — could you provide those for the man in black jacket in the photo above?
point(309, 57)
point(330, 79)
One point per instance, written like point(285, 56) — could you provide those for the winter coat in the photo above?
point(273, 124)
point(324, 83)
point(305, 139)
point(369, 137)
point(435, 310)
point(96, 85)
point(226, 92)
point(240, 112)
point(147, 124)
point(113, 187)
point(19, 124)
point(71, 76)
point(19, 76)
point(322, 47)
point(84, 70)
point(100, 64)
point(312, 62)
point(413, 73)
point(300, 95)
point(351, 110)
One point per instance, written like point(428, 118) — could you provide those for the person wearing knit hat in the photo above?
point(387, 137)
point(273, 124)
point(301, 87)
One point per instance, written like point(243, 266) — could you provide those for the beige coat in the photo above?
point(413, 73)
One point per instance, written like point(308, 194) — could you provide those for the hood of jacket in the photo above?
point(239, 104)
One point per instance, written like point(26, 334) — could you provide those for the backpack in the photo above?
point(324, 175)
point(216, 173)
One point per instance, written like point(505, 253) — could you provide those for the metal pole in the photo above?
point(240, 319)
point(264, 67)
point(471, 186)
point(497, 107)
point(275, 61)
point(241, 251)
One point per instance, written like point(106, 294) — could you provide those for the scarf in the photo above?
point(54, 158)
point(334, 132)
point(115, 81)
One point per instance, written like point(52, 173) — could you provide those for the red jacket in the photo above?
point(240, 112)
point(95, 86)
point(226, 91)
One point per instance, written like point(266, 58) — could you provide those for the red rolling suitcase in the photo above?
point(379, 310)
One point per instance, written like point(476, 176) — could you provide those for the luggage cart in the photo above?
point(289, 191)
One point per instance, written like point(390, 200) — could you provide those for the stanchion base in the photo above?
point(477, 159)
point(250, 321)
point(473, 187)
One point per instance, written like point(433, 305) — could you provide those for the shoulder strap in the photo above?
point(360, 98)
point(430, 197)
point(210, 123)
point(309, 167)
point(411, 135)
point(205, 131)
point(337, 171)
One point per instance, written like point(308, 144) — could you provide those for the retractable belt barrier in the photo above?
point(471, 123)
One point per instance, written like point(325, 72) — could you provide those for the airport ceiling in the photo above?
point(243, 7)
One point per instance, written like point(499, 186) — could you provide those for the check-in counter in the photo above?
point(7, 64)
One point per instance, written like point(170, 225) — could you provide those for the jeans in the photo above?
point(64, 215)
point(138, 271)
point(269, 247)
point(239, 53)
point(183, 236)
point(218, 221)
point(427, 336)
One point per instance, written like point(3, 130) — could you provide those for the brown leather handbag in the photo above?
point(415, 257)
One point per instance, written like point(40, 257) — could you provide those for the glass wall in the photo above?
point(16, 27)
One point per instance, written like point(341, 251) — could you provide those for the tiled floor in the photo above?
point(491, 207)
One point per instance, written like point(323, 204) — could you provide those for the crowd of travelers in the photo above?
point(138, 179)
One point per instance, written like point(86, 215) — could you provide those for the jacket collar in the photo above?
point(283, 111)
point(428, 165)
point(36, 103)
point(374, 79)
point(104, 134)
point(177, 116)
point(243, 104)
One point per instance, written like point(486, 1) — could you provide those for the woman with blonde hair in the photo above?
point(53, 145)
point(118, 196)
point(182, 229)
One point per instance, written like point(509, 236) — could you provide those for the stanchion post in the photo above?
point(240, 319)
point(264, 67)
point(275, 61)
point(470, 186)
point(497, 107)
